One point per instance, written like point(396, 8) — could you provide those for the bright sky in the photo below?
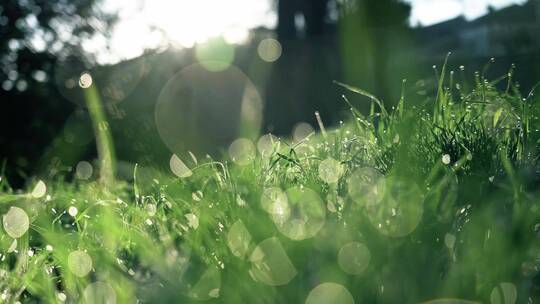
point(186, 22)
point(427, 12)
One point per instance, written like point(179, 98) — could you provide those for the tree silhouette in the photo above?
point(313, 11)
point(367, 31)
point(34, 35)
point(375, 29)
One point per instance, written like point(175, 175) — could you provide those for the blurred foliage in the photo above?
point(35, 32)
point(35, 35)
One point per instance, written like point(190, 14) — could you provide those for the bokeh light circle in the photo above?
point(270, 264)
point(266, 144)
point(72, 77)
point(301, 131)
point(208, 286)
point(275, 202)
point(242, 151)
point(330, 170)
point(120, 80)
point(202, 111)
point(354, 258)
point(78, 129)
point(327, 293)
point(269, 50)
point(399, 210)
point(366, 186)
point(79, 263)
point(215, 55)
point(16, 222)
point(239, 239)
point(307, 214)
point(84, 170)
point(504, 293)
point(99, 293)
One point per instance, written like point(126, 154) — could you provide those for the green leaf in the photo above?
point(497, 116)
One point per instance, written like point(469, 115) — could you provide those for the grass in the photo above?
point(432, 200)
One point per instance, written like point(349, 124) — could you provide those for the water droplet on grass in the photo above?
point(193, 220)
point(178, 167)
point(446, 159)
point(61, 296)
point(151, 209)
point(16, 222)
point(73, 211)
point(85, 80)
point(197, 196)
point(39, 190)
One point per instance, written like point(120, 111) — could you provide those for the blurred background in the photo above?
point(194, 75)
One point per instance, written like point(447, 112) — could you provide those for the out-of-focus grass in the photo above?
point(431, 202)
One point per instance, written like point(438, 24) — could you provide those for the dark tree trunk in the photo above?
point(315, 13)
point(286, 29)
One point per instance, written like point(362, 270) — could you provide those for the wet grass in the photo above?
point(429, 200)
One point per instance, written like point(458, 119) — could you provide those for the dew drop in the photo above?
point(73, 211)
point(178, 167)
point(193, 220)
point(85, 80)
point(446, 159)
point(39, 190)
point(16, 222)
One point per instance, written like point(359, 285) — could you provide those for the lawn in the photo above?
point(432, 200)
